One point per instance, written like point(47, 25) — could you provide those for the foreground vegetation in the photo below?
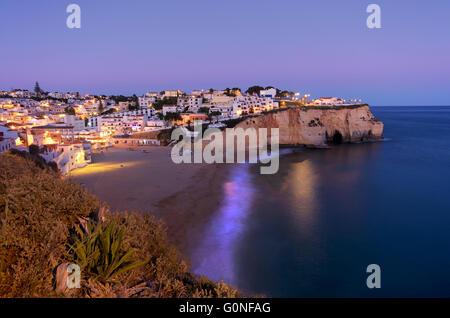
point(46, 221)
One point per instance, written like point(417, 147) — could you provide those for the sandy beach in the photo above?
point(185, 196)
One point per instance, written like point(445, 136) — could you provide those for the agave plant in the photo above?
point(98, 250)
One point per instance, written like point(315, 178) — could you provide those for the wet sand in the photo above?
point(185, 196)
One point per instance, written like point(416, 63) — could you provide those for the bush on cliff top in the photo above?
point(39, 215)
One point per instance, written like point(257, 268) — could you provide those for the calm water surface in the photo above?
point(312, 229)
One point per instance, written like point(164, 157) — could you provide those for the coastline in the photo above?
point(184, 196)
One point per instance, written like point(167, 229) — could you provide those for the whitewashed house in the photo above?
point(193, 103)
point(328, 101)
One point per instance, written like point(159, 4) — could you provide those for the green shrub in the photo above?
point(99, 251)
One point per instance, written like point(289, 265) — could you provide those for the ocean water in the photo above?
point(312, 229)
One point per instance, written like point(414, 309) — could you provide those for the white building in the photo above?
point(328, 101)
point(172, 93)
point(147, 101)
point(226, 110)
point(22, 94)
point(58, 95)
point(209, 95)
point(149, 112)
point(8, 133)
point(271, 92)
point(152, 94)
point(125, 106)
point(50, 134)
point(197, 92)
point(192, 102)
point(6, 144)
point(219, 99)
point(68, 156)
point(251, 104)
point(155, 123)
point(170, 109)
point(71, 120)
point(121, 124)
point(94, 122)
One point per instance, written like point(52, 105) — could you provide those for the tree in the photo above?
point(136, 100)
point(285, 94)
point(132, 107)
point(170, 116)
point(119, 98)
point(216, 114)
point(69, 110)
point(203, 109)
point(254, 89)
point(231, 91)
point(108, 112)
point(166, 101)
point(37, 89)
point(101, 108)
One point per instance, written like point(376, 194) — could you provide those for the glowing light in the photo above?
point(105, 166)
point(80, 156)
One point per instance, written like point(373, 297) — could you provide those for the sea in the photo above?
point(312, 229)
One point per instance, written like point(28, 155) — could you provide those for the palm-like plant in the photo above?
point(98, 250)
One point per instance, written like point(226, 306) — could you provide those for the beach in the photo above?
point(145, 179)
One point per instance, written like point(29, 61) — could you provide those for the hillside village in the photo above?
point(66, 127)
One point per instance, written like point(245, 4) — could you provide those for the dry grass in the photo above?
point(38, 214)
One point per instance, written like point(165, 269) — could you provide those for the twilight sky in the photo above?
point(321, 47)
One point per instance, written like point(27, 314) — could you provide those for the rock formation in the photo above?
point(317, 126)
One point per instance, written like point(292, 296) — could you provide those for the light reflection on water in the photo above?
point(215, 256)
point(300, 186)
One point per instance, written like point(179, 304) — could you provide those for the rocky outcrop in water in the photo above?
point(318, 126)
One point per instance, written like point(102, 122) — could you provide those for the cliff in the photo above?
point(318, 126)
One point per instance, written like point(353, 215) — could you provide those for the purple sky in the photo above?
point(321, 47)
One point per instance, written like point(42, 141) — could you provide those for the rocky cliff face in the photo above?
point(318, 126)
